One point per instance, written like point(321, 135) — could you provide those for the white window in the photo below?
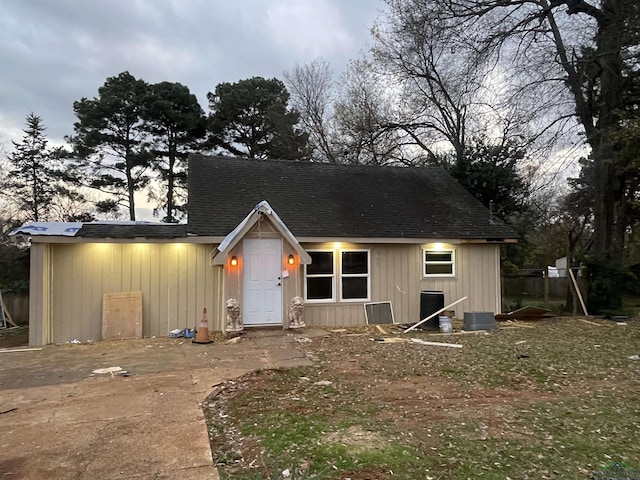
point(343, 271)
point(320, 278)
point(354, 275)
point(439, 263)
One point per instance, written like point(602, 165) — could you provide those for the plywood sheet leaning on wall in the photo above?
point(122, 315)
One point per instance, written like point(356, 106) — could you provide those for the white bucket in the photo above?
point(446, 325)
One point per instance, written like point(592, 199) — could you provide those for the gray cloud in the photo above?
point(53, 52)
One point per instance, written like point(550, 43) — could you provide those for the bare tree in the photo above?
point(363, 111)
point(437, 73)
point(580, 57)
point(561, 66)
point(455, 86)
point(311, 88)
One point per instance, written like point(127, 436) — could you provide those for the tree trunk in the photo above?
point(34, 192)
point(130, 186)
point(171, 181)
point(610, 222)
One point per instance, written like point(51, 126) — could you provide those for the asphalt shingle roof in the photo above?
point(109, 230)
point(327, 200)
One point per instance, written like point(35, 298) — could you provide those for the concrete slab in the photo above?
point(71, 423)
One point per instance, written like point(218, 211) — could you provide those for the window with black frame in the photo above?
point(320, 277)
point(330, 272)
point(354, 275)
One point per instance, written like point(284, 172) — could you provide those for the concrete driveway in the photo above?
point(60, 421)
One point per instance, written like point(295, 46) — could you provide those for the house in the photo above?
point(263, 232)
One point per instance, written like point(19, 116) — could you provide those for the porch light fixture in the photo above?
point(291, 260)
point(234, 261)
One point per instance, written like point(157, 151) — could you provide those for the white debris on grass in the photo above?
point(323, 383)
point(111, 370)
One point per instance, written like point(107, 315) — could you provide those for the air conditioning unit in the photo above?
point(479, 321)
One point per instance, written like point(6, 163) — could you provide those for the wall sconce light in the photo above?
point(291, 260)
point(234, 261)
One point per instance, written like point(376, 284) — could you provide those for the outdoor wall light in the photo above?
point(291, 260)
point(234, 261)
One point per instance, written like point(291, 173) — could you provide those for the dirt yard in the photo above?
point(552, 399)
point(14, 337)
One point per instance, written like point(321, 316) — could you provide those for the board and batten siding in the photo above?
point(40, 294)
point(176, 281)
point(397, 276)
point(477, 278)
point(68, 282)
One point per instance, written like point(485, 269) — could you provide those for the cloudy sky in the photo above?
point(53, 52)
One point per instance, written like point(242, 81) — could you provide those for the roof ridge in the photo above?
point(281, 161)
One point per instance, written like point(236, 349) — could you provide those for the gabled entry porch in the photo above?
point(262, 268)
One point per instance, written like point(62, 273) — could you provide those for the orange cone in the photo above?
point(202, 336)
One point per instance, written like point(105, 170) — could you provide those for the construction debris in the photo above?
point(462, 332)
point(515, 323)
point(13, 350)
point(111, 370)
point(526, 313)
point(434, 314)
point(390, 340)
point(415, 340)
point(575, 285)
point(591, 323)
point(323, 383)
point(5, 317)
point(435, 344)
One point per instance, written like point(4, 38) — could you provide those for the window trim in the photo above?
point(333, 277)
point(337, 276)
point(451, 250)
point(356, 275)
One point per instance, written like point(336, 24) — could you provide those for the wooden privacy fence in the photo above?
point(18, 306)
point(535, 285)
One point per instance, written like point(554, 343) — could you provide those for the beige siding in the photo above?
point(477, 277)
point(334, 315)
point(396, 276)
point(39, 294)
point(176, 281)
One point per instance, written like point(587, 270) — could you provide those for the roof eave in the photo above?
point(406, 240)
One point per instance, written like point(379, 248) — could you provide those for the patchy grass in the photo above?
point(552, 399)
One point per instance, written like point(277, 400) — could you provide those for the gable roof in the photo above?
point(259, 211)
point(318, 200)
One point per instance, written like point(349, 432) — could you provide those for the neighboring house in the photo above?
point(262, 232)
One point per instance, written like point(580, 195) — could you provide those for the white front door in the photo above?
point(262, 292)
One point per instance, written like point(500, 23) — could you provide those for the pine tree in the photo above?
point(110, 141)
point(33, 173)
